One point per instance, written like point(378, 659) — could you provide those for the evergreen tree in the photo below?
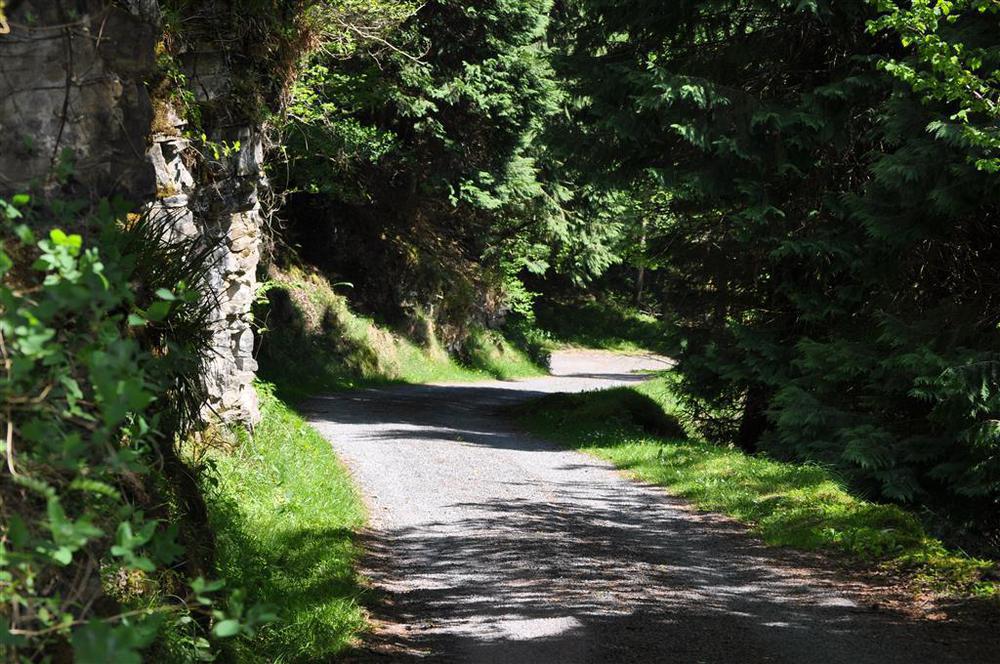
point(830, 264)
point(430, 139)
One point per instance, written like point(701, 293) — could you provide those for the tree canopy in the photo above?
point(827, 239)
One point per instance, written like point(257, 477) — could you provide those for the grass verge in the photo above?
point(285, 513)
point(798, 506)
point(317, 344)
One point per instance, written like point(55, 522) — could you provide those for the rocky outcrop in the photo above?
point(217, 199)
point(73, 93)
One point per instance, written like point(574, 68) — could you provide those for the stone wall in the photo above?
point(225, 211)
point(73, 79)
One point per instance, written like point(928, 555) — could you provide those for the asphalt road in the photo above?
point(489, 545)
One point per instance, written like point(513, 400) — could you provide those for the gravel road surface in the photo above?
point(489, 545)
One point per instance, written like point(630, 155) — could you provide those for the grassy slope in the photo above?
point(286, 513)
point(600, 325)
point(799, 506)
point(319, 345)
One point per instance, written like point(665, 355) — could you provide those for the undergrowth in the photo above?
point(104, 554)
point(798, 506)
point(313, 343)
point(285, 514)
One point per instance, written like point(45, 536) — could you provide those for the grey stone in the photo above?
point(63, 89)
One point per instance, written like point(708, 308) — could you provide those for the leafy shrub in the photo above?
point(619, 409)
point(100, 354)
point(601, 324)
point(490, 352)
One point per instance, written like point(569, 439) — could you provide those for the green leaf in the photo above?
point(17, 530)
point(202, 588)
point(8, 639)
point(164, 547)
point(158, 311)
point(24, 234)
point(8, 211)
point(93, 486)
point(72, 242)
point(68, 535)
point(226, 628)
point(126, 543)
point(101, 643)
point(62, 555)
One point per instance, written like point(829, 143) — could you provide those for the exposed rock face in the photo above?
point(225, 211)
point(72, 86)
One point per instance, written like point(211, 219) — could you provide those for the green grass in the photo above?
point(285, 513)
point(317, 344)
point(607, 326)
point(792, 505)
point(490, 354)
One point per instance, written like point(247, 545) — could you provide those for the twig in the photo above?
point(9, 449)
point(77, 623)
point(10, 443)
point(69, 90)
point(375, 38)
point(32, 400)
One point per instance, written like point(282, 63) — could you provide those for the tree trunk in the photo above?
point(640, 278)
point(754, 421)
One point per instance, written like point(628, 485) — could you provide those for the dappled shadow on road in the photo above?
point(595, 576)
point(470, 413)
point(570, 563)
point(446, 413)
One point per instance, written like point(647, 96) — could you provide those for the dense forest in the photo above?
point(800, 196)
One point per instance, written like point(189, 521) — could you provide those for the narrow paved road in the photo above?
point(493, 546)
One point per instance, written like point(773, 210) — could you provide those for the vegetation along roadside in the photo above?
point(801, 506)
point(796, 201)
point(286, 513)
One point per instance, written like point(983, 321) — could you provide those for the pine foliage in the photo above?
point(419, 151)
point(830, 259)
